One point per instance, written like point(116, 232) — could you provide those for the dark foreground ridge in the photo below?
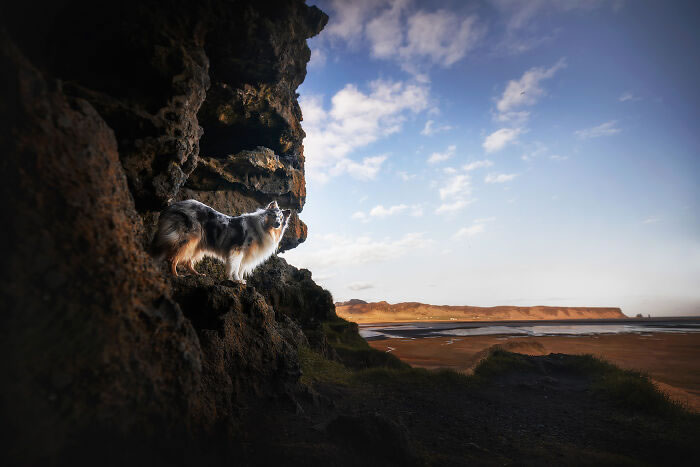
point(112, 110)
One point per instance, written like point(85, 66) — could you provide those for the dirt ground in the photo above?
point(672, 360)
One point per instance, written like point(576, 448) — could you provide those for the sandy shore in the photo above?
point(672, 360)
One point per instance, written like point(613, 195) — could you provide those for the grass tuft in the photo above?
point(499, 362)
point(628, 388)
point(316, 368)
point(353, 349)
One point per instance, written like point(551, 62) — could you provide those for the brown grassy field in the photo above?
point(672, 360)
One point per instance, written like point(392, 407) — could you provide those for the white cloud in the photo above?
point(526, 91)
point(628, 96)
point(429, 129)
point(500, 139)
point(456, 186)
point(395, 30)
point(338, 250)
point(360, 216)
point(318, 58)
point(355, 119)
point(348, 19)
point(360, 286)
point(456, 189)
point(440, 37)
point(651, 220)
point(499, 178)
point(380, 211)
point(469, 231)
point(442, 156)
point(604, 129)
point(366, 170)
point(477, 227)
point(557, 157)
point(405, 176)
point(453, 206)
point(477, 165)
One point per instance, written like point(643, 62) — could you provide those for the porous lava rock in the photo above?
point(104, 107)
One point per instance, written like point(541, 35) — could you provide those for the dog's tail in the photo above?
point(172, 232)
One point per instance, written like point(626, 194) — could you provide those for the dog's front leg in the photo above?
point(233, 264)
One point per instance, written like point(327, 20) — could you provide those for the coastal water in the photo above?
point(529, 328)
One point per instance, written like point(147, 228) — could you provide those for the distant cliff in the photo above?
point(362, 312)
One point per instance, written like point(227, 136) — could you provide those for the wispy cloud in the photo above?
point(453, 206)
point(318, 58)
point(442, 156)
point(360, 286)
point(336, 250)
point(651, 220)
point(557, 157)
point(522, 32)
point(469, 231)
point(355, 119)
point(604, 129)
point(628, 97)
point(477, 165)
point(431, 128)
point(500, 139)
point(380, 212)
point(360, 216)
point(536, 149)
point(456, 190)
point(455, 193)
point(477, 227)
point(499, 178)
point(405, 176)
point(527, 90)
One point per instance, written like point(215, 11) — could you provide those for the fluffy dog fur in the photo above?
point(189, 230)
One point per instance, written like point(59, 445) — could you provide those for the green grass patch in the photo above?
point(316, 368)
point(628, 388)
point(500, 362)
point(353, 349)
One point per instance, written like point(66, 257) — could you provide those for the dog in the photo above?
point(190, 230)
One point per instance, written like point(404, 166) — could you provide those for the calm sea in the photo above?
point(571, 328)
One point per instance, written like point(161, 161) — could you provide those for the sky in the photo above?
point(540, 152)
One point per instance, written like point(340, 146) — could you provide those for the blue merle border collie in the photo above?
point(190, 230)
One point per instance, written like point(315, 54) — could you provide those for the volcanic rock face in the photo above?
point(111, 111)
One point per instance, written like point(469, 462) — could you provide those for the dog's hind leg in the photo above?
point(190, 268)
point(184, 253)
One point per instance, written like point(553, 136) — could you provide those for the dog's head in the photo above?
point(276, 218)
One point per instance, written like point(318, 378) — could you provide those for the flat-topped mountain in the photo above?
point(376, 312)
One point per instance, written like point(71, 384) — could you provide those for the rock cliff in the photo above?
point(110, 111)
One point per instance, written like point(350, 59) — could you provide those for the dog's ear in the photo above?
point(272, 205)
point(287, 213)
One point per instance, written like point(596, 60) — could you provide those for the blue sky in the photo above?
point(541, 152)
